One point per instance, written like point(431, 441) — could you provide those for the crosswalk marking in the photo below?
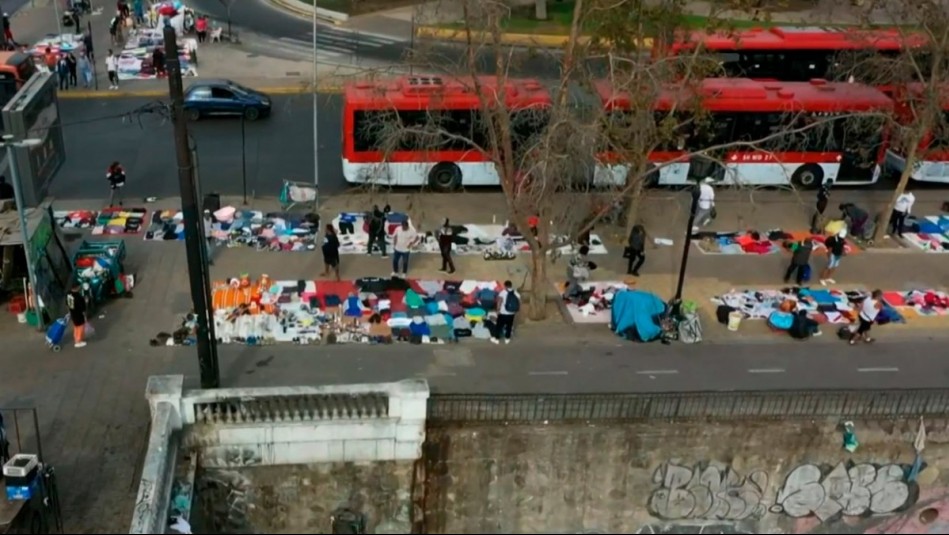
point(306, 49)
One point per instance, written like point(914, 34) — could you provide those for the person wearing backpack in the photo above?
point(509, 304)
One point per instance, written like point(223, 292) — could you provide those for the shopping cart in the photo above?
point(298, 193)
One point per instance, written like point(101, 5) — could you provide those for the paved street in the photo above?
point(279, 147)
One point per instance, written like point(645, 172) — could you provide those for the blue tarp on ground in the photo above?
point(638, 312)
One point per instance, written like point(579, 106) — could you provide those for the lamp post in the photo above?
point(316, 121)
point(244, 153)
point(693, 207)
point(11, 146)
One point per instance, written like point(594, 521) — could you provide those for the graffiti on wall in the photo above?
point(707, 492)
point(846, 489)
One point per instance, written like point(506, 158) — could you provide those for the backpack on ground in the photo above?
point(512, 302)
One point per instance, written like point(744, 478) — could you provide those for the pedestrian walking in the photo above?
point(445, 240)
point(115, 174)
point(74, 16)
point(636, 250)
point(869, 310)
point(201, 27)
point(509, 304)
point(823, 198)
point(115, 28)
point(87, 45)
point(836, 247)
point(330, 252)
point(62, 72)
point(404, 239)
point(158, 61)
point(112, 67)
point(800, 265)
point(72, 62)
point(84, 67)
point(76, 303)
point(8, 32)
point(377, 229)
point(902, 208)
point(705, 212)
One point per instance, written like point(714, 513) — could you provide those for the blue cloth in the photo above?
point(781, 320)
point(928, 227)
point(431, 307)
point(396, 217)
point(332, 300)
point(637, 310)
point(420, 329)
point(352, 307)
point(822, 297)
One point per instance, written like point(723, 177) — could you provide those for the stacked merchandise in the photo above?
point(277, 231)
point(821, 305)
point(369, 310)
point(135, 61)
point(931, 233)
point(116, 221)
point(919, 302)
point(750, 242)
point(78, 219)
point(594, 304)
point(98, 267)
point(58, 44)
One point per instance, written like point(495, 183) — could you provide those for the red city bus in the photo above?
point(791, 54)
point(847, 149)
point(932, 157)
point(443, 162)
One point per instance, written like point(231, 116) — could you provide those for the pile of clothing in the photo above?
point(277, 231)
point(922, 302)
point(135, 61)
point(821, 305)
point(114, 221)
point(749, 242)
point(594, 302)
point(369, 310)
point(78, 219)
point(930, 233)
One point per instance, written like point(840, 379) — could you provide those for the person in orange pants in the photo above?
point(76, 303)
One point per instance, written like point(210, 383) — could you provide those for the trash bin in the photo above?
point(734, 320)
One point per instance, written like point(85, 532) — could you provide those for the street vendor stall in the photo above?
point(99, 268)
point(135, 60)
point(48, 255)
point(67, 43)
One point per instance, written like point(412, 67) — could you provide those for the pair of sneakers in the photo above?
point(496, 341)
point(825, 282)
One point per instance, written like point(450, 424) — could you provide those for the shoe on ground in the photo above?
point(507, 340)
point(394, 275)
point(818, 333)
point(832, 281)
point(823, 282)
point(384, 255)
point(495, 341)
point(80, 345)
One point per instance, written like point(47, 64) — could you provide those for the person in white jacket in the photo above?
point(705, 211)
point(902, 208)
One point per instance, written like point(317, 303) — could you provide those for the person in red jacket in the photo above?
point(115, 174)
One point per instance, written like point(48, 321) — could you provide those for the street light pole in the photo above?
point(11, 147)
point(198, 275)
point(244, 154)
point(693, 207)
point(316, 121)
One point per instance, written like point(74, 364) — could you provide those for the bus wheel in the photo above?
point(445, 176)
point(808, 176)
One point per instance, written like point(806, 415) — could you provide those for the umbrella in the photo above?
point(167, 10)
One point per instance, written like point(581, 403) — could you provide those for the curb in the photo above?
point(294, 8)
point(154, 93)
point(514, 39)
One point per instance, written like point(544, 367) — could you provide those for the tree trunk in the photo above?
point(539, 285)
point(635, 200)
point(540, 9)
point(910, 162)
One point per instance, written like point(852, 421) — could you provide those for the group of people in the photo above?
point(69, 68)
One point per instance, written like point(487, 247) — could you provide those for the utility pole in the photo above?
point(316, 120)
point(198, 275)
point(683, 266)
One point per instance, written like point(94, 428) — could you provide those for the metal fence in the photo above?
point(533, 408)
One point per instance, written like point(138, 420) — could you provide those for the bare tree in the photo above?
point(569, 163)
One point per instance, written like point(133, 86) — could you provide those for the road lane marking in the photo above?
point(658, 372)
point(877, 370)
point(766, 370)
point(547, 373)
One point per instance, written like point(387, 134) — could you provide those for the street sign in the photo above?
point(33, 113)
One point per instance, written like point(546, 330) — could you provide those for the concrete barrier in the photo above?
point(304, 9)
point(512, 39)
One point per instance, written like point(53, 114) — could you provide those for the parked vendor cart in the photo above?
point(99, 268)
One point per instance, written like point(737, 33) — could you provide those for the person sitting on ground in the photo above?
point(803, 327)
point(578, 272)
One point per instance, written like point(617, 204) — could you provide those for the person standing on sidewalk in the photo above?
point(869, 310)
point(376, 227)
point(836, 246)
point(112, 67)
point(823, 197)
point(509, 304)
point(115, 174)
point(87, 45)
point(62, 72)
point(445, 241)
point(902, 208)
point(705, 212)
point(85, 69)
point(636, 250)
point(7, 32)
point(76, 303)
point(404, 239)
point(73, 69)
point(201, 27)
point(800, 261)
point(330, 250)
